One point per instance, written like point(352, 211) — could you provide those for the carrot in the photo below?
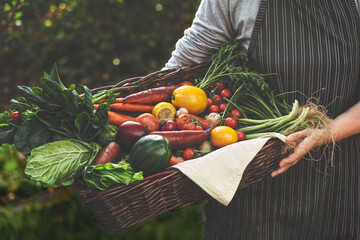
point(152, 95)
point(130, 107)
point(184, 138)
point(117, 119)
point(117, 100)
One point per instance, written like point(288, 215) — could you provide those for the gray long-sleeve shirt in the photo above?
point(215, 22)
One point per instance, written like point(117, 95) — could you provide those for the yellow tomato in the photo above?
point(222, 136)
point(164, 111)
point(192, 98)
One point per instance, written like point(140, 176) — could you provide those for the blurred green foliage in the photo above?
point(95, 43)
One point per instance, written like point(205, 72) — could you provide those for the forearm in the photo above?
point(346, 124)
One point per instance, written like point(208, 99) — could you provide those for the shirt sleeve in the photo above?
point(211, 27)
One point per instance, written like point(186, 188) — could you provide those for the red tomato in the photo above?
point(170, 125)
point(222, 107)
point(220, 86)
point(214, 109)
point(231, 122)
point(210, 102)
point(241, 135)
point(198, 127)
point(188, 153)
point(15, 115)
point(235, 112)
point(217, 98)
point(226, 93)
point(183, 123)
point(186, 83)
point(150, 121)
point(175, 160)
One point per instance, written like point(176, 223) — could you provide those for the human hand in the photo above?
point(305, 140)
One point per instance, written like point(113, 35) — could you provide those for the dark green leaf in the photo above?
point(54, 75)
point(31, 134)
point(101, 117)
point(88, 100)
point(37, 99)
point(49, 119)
point(82, 123)
point(70, 102)
point(7, 134)
point(20, 104)
point(50, 88)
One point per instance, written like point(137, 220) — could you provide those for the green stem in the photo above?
point(298, 121)
point(271, 124)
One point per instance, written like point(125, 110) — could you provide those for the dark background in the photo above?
point(95, 43)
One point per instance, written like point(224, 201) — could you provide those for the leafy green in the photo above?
point(7, 134)
point(31, 134)
point(109, 135)
point(105, 176)
point(57, 163)
point(54, 110)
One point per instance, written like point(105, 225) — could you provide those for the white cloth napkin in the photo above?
point(219, 173)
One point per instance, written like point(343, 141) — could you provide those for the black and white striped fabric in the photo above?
point(312, 45)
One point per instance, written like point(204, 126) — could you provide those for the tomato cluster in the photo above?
point(216, 104)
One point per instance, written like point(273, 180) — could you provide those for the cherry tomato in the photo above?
point(15, 115)
point(222, 136)
point(170, 125)
point(210, 102)
point(188, 153)
point(150, 121)
point(183, 123)
point(175, 160)
point(226, 93)
point(214, 109)
point(222, 107)
point(217, 98)
point(231, 122)
point(235, 112)
point(186, 83)
point(198, 127)
point(220, 86)
point(241, 135)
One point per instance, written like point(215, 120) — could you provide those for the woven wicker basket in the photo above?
point(122, 207)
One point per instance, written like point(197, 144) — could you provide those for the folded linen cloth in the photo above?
point(219, 173)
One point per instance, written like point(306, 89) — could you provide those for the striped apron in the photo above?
point(314, 47)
